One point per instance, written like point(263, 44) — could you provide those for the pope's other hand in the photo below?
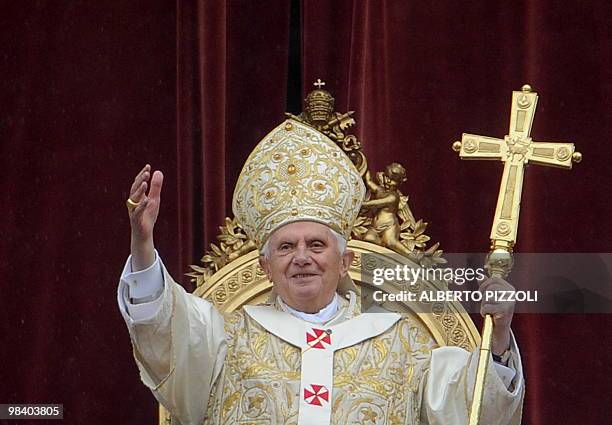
point(501, 311)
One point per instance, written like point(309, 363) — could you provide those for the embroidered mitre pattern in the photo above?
point(297, 174)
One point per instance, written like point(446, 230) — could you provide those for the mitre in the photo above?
point(296, 173)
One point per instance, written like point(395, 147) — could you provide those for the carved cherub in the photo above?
point(386, 205)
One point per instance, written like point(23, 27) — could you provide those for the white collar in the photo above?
point(322, 316)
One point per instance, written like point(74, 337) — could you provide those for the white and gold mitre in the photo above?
point(296, 173)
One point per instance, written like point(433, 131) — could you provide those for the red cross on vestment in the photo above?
point(318, 338)
point(316, 395)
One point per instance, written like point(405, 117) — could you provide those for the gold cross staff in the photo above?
point(515, 150)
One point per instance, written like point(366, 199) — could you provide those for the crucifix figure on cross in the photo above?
point(515, 150)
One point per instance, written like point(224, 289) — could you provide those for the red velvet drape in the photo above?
point(232, 70)
point(421, 73)
point(87, 96)
point(89, 92)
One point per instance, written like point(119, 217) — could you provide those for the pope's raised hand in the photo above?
point(144, 215)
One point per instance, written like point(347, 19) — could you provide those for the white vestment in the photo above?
point(261, 365)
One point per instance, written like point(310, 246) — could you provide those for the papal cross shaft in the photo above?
point(516, 150)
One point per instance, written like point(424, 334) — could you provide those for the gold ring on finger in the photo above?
point(131, 205)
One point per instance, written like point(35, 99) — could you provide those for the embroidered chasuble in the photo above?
point(262, 365)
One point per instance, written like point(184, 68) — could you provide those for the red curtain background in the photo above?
point(90, 92)
point(231, 88)
point(87, 96)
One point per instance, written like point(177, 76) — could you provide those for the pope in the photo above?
point(309, 356)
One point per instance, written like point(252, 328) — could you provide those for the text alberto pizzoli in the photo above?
point(459, 276)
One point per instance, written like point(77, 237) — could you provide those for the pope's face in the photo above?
point(305, 265)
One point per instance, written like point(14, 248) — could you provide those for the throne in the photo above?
point(229, 275)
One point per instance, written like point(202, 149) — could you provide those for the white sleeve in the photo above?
point(450, 382)
point(140, 292)
point(179, 349)
point(505, 373)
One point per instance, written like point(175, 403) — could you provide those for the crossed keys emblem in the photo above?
point(318, 338)
point(316, 394)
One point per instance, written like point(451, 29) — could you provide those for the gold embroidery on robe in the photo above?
point(378, 381)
